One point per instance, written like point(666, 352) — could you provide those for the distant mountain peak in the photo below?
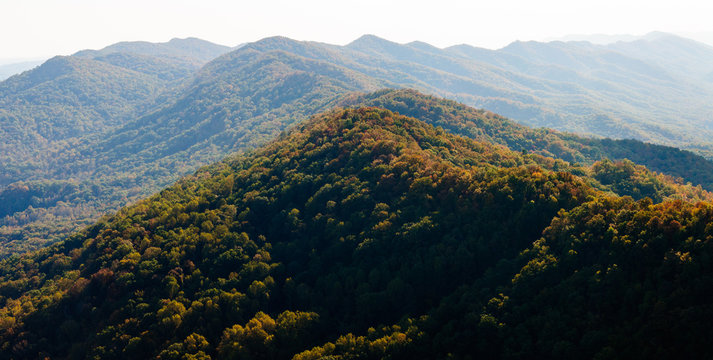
point(281, 43)
point(189, 50)
point(369, 40)
point(187, 39)
point(520, 45)
point(275, 40)
point(656, 36)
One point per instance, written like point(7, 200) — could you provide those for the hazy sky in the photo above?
point(41, 28)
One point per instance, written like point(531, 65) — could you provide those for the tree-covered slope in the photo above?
point(284, 230)
point(490, 127)
point(633, 279)
point(46, 113)
point(7, 70)
point(69, 97)
point(241, 100)
point(248, 97)
point(188, 52)
point(364, 233)
point(609, 279)
point(238, 101)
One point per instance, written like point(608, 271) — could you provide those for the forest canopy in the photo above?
point(365, 233)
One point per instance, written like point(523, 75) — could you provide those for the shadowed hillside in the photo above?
point(367, 234)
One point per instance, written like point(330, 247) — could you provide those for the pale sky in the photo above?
point(42, 28)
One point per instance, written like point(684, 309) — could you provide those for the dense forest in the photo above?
point(89, 133)
point(90, 92)
point(98, 176)
point(646, 90)
point(490, 127)
point(363, 233)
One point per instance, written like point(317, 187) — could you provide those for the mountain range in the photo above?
point(10, 69)
point(297, 200)
point(89, 133)
point(362, 233)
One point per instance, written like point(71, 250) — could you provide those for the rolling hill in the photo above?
point(248, 96)
point(140, 158)
point(362, 233)
point(617, 92)
point(67, 98)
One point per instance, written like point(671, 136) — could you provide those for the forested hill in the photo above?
point(618, 92)
point(236, 102)
point(7, 70)
point(144, 156)
point(69, 97)
point(364, 233)
point(347, 189)
point(96, 85)
point(189, 52)
point(76, 159)
point(487, 126)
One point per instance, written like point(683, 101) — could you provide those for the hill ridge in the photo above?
point(362, 232)
point(364, 158)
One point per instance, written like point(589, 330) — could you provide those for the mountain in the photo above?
point(187, 52)
point(607, 92)
point(313, 75)
point(48, 111)
point(248, 96)
point(684, 57)
point(362, 233)
point(172, 60)
point(574, 86)
point(238, 101)
point(486, 126)
point(67, 98)
point(326, 180)
point(7, 70)
point(140, 158)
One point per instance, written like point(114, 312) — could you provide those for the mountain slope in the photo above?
point(611, 278)
point(678, 55)
point(140, 158)
point(7, 70)
point(187, 52)
point(250, 95)
point(489, 127)
point(86, 88)
point(67, 98)
point(597, 91)
point(237, 102)
point(360, 221)
point(266, 231)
